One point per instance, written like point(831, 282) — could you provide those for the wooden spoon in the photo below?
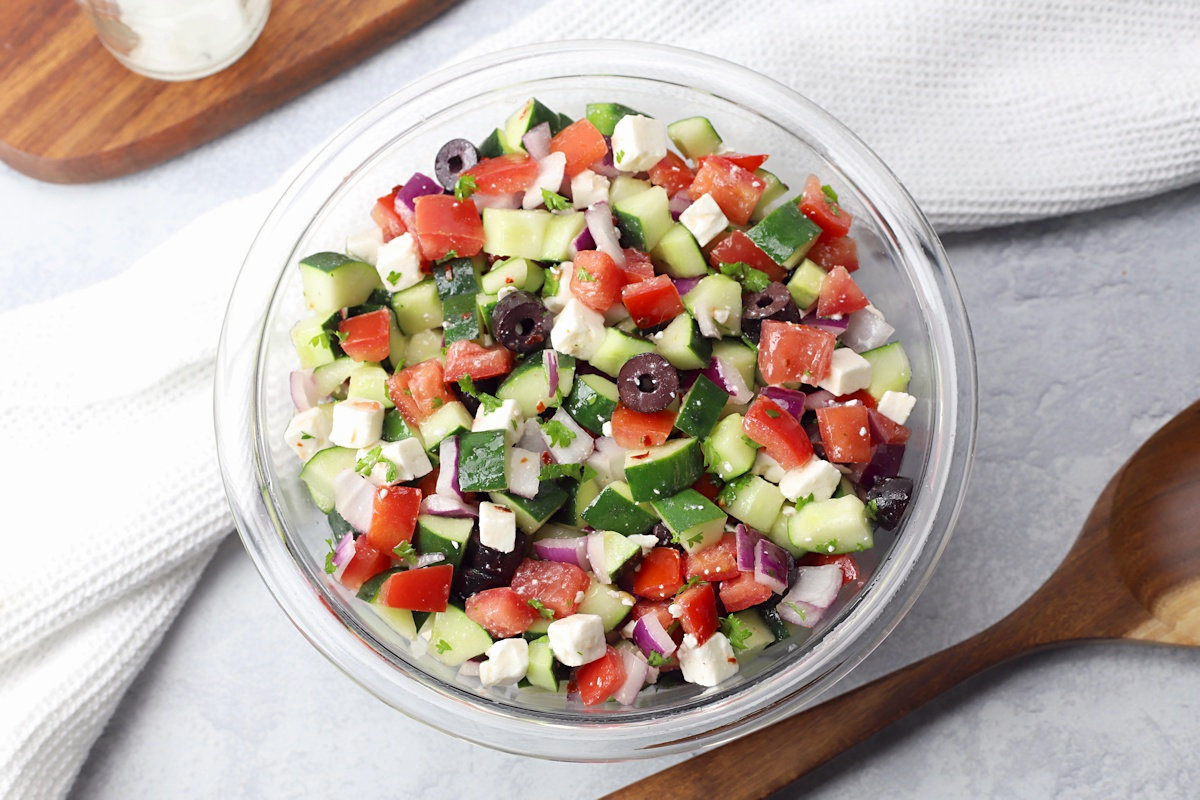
point(1133, 573)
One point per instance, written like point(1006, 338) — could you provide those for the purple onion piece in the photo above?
point(679, 203)
point(606, 166)
point(509, 201)
point(572, 550)
point(793, 401)
point(812, 594)
point(636, 667)
point(447, 480)
point(537, 141)
point(417, 186)
point(834, 326)
point(877, 421)
point(595, 555)
point(687, 377)
point(344, 550)
point(725, 375)
point(550, 361)
point(746, 539)
point(303, 389)
point(684, 285)
point(447, 505)
point(600, 225)
point(583, 241)
point(771, 565)
point(821, 398)
point(650, 635)
point(867, 329)
point(884, 463)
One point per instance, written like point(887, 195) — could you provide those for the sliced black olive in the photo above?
point(774, 302)
point(485, 568)
point(456, 157)
point(889, 498)
point(665, 537)
point(647, 383)
point(520, 322)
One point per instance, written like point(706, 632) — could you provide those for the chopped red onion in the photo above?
point(745, 539)
point(636, 667)
point(866, 330)
point(771, 565)
point(304, 389)
point(650, 635)
point(354, 499)
point(792, 400)
point(834, 326)
point(569, 550)
point(884, 463)
point(595, 555)
point(417, 186)
point(550, 362)
point(725, 375)
point(600, 224)
point(583, 241)
point(684, 285)
point(483, 201)
point(531, 438)
point(343, 553)
point(447, 479)
point(448, 505)
point(537, 141)
point(428, 559)
point(821, 398)
point(878, 431)
point(811, 596)
point(679, 204)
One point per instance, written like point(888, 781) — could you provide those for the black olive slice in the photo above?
point(520, 322)
point(774, 302)
point(456, 157)
point(647, 383)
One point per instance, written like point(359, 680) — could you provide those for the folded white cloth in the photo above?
point(991, 111)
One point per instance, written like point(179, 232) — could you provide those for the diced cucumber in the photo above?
point(778, 532)
point(624, 186)
point(423, 346)
point(533, 513)
point(614, 510)
point(485, 304)
point(320, 470)
point(753, 500)
point(785, 234)
point(770, 617)
point(682, 344)
point(579, 496)
point(696, 522)
point(445, 535)
point(461, 319)
point(515, 272)
point(333, 281)
point(528, 116)
point(716, 304)
point(677, 254)
point(451, 419)
point(529, 385)
point(837, 525)
point(657, 472)
point(773, 189)
point(454, 637)
point(397, 344)
point(493, 145)
point(890, 370)
point(644, 218)
point(616, 349)
point(515, 232)
point(400, 619)
point(618, 551)
point(727, 451)
point(759, 634)
point(695, 137)
point(738, 355)
point(418, 308)
point(701, 408)
point(611, 605)
point(457, 276)
point(313, 341)
point(541, 665)
point(370, 381)
point(483, 461)
point(328, 377)
point(805, 283)
point(592, 401)
point(605, 116)
point(369, 591)
point(561, 232)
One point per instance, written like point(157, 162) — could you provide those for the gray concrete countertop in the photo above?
point(1087, 337)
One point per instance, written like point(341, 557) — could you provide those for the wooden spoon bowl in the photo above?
point(1133, 573)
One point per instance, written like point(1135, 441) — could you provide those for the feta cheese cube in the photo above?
point(578, 330)
point(646, 541)
point(507, 662)
point(638, 143)
point(816, 477)
point(557, 301)
point(704, 219)
point(497, 527)
point(588, 188)
point(308, 432)
point(708, 664)
point(398, 263)
point(365, 243)
point(524, 468)
point(848, 372)
point(402, 460)
point(505, 418)
point(577, 639)
point(357, 423)
point(767, 467)
point(896, 406)
point(549, 177)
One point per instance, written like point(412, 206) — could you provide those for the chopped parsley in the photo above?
point(437, 402)
point(801, 502)
point(540, 607)
point(318, 340)
point(406, 553)
point(692, 581)
point(555, 201)
point(620, 155)
point(872, 509)
point(774, 413)
point(464, 187)
point(442, 646)
point(558, 433)
point(696, 538)
point(375, 456)
point(489, 402)
point(550, 287)
point(467, 384)
point(330, 567)
point(551, 472)
point(394, 277)
point(832, 199)
point(341, 336)
point(799, 611)
point(735, 631)
point(585, 276)
point(306, 435)
point(657, 659)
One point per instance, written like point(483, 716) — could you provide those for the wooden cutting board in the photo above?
point(70, 113)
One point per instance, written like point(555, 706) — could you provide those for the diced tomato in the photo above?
point(820, 209)
point(465, 358)
point(652, 302)
point(859, 395)
point(638, 266)
point(385, 216)
point(839, 294)
point(846, 562)
point(834, 251)
point(597, 280)
point(635, 429)
point(659, 575)
point(716, 563)
point(737, 246)
point(428, 484)
point(892, 432)
point(672, 173)
point(555, 584)
point(845, 433)
point(698, 611)
point(501, 611)
point(741, 592)
point(366, 563)
point(419, 390)
point(367, 336)
point(792, 353)
point(443, 225)
point(581, 143)
point(394, 517)
point(597, 680)
point(424, 589)
point(735, 189)
point(745, 160)
point(506, 174)
point(780, 434)
point(706, 487)
point(660, 608)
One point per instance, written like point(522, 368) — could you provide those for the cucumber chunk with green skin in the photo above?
point(778, 532)
point(579, 496)
point(716, 305)
point(483, 461)
point(678, 255)
point(694, 519)
point(533, 513)
point(592, 401)
point(445, 535)
point(644, 218)
point(785, 234)
point(890, 370)
point(605, 116)
point(805, 283)
point(492, 146)
point(617, 348)
point(775, 625)
point(738, 355)
point(370, 381)
point(701, 408)
point(529, 116)
point(396, 427)
point(695, 137)
point(485, 304)
point(370, 588)
point(624, 186)
point(457, 276)
point(423, 346)
point(728, 453)
point(561, 232)
point(313, 339)
point(657, 472)
point(682, 344)
point(460, 319)
point(515, 232)
point(618, 553)
point(418, 308)
point(757, 636)
point(541, 665)
point(328, 377)
point(837, 525)
point(454, 637)
point(773, 189)
point(320, 470)
point(610, 604)
point(529, 384)
point(614, 509)
point(518, 273)
point(752, 500)
point(334, 281)
point(452, 419)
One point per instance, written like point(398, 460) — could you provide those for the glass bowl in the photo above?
point(905, 273)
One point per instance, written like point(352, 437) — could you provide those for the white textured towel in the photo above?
point(991, 111)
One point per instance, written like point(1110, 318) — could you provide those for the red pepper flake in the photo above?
point(541, 406)
point(508, 279)
point(547, 458)
point(640, 455)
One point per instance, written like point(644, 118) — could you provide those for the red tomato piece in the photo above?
point(635, 429)
point(419, 390)
point(716, 563)
point(597, 280)
point(659, 575)
point(834, 251)
point(735, 189)
point(845, 433)
point(428, 484)
point(506, 174)
point(555, 584)
point(672, 173)
point(745, 160)
point(860, 395)
point(832, 218)
point(846, 562)
point(698, 611)
point(367, 336)
point(465, 358)
point(394, 517)
point(652, 302)
point(742, 592)
point(792, 353)
point(839, 294)
point(706, 487)
point(501, 611)
point(385, 216)
point(366, 563)
point(638, 266)
point(781, 435)
point(597, 680)
point(892, 432)
point(737, 246)
point(443, 225)
point(660, 608)
point(583, 145)
point(424, 589)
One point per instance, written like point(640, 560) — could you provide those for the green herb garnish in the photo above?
point(735, 631)
point(555, 201)
point(773, 413)
point(692, 581)
point(406, 553)
point(558, 433)
point(552, 472)
point(538, 606)
point(585, 276)
point(442, 646)
point(330, 567)
point(394, 277)
point(464, 187)
point(657, 659)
